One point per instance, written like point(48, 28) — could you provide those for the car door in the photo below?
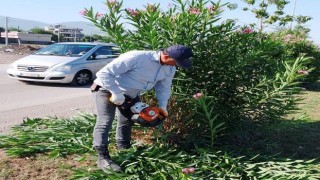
point(101, 57)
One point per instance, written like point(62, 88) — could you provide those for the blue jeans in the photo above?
point(106, 111)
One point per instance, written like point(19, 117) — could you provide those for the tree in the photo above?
point(40, 31)
point(96, 37)
point(14, 29)
point(262, 10)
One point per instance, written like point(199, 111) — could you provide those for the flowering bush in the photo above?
point(243, 71)
point(295, 43)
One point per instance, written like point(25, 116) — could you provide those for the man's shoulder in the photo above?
point(140, 55)
point(140, 52)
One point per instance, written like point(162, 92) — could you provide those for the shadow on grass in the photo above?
point(292, 139)
point(315, 87)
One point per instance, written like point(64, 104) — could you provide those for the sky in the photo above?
point(57, 11)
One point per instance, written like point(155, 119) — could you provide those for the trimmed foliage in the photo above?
point(57, 137)
point(60, 137)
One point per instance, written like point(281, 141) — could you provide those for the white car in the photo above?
point(76, 63)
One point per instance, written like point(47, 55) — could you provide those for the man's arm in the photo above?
point(163, 91)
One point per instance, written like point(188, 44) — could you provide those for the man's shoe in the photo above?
point(123, 145)
point(104, 160)
point(107, 165)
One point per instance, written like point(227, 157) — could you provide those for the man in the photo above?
point(130, 74)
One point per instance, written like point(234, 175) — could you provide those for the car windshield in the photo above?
point(65, 50)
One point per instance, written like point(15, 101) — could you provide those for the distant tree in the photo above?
point(87, 38)
point(14, 29)
point(40, 31)
point(54, 37)
point(61, 38)
point(95, 37)
point(262, 9)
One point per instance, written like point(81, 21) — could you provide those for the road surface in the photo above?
point(19, 100)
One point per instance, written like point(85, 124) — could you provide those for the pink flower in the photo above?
point(211, 9)
point(99, 15)
point(192, 170)
point(113, 3)
point(150, 7)
point(194, 11)
point(132, 12)
point(247, 30)
point(288, 37)
point(291, 38)
point(303, 72)
point(197, 96)
point(185, 171)
point(188, 170)
point(83, 12)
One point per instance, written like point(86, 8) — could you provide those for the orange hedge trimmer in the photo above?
point(142, 114)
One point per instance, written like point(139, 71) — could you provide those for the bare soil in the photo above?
point(10, 53)
point(40, 167)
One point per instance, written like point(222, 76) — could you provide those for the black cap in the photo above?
point(181, 54)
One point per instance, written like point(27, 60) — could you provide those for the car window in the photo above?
point(78, 50)
point(65, 50)
point(105, 52)
point(82, 49)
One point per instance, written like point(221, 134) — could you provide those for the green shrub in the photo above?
point(243, 72)
point(247, 78)
point(296, 44)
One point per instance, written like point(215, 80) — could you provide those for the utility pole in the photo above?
point(294, 9)
point(6, 25)
point(75, 35)
point(58, 34)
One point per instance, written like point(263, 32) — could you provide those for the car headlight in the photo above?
point(65, 68)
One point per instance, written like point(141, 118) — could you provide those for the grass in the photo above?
point(291, 146)
point(311, 103)
point(296, 136)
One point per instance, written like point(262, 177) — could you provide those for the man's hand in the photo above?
point(117, 99)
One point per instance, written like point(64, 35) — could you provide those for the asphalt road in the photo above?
point(19, 100)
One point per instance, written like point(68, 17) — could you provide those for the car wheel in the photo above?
point(82, 78)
